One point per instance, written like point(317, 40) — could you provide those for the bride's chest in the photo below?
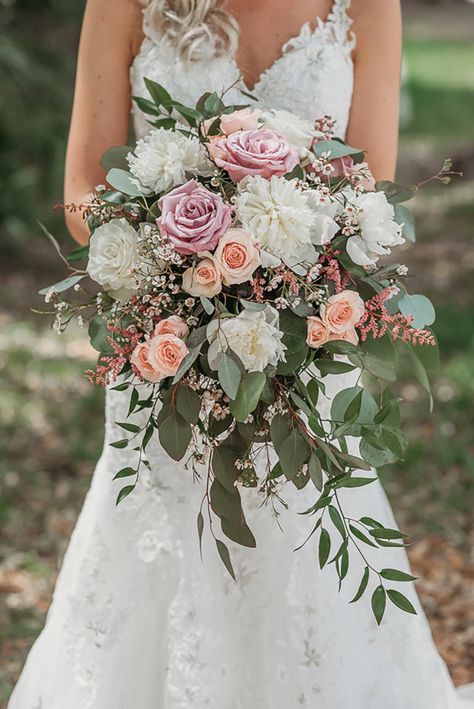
point(313, 76)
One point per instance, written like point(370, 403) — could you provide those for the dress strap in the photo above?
point(342, 22)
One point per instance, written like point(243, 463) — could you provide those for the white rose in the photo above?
point(279, 216)
point(298, 132)
point(162, 158)
point(114, 257)
point(254, 336)
point(378, 229)
point(325, 209)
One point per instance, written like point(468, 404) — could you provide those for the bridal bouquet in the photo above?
point(234, 265)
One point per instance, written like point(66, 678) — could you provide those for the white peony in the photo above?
point(378, 229)
point(162, 158)
point(254, 336)
point(325, 209)
point(278, 215)
point(114, 257)
point(298, 132)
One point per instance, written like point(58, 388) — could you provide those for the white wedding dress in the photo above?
point(138, 621)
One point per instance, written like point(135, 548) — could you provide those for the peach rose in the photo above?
point(318, 334)
point(203, 279)
point(174, 325)
point(141, 361)
point(348, 336)
point(166, 352)
point(237, 256)
point(243, 119)
point(342, 311)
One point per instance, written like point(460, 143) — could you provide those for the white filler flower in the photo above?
point(162, 158)
point(278, 215)
point(298, 132)
point(113, 255)
point(378, 229)
point(254, 336)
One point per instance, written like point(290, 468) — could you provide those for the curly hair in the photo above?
point(199, 28)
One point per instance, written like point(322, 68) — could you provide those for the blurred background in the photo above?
point(51, 418)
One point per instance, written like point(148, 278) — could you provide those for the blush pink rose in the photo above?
point(243, 119)
point(342, 311)
point(348, 336)
point(203, 279)
point(237, 256)
point(345, 167)
point(318, 334)
point(253, 152)
point(193, 218)
point(174, 325)
point(140, 359)
point(165, 354)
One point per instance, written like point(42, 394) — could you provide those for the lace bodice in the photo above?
point(313, 76)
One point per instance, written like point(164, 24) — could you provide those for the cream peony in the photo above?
point(325, 209)
point(254, 336)
point(298, 132)
point(162, 158)
point(278, 215)
point(114, 256)
point(378, 229)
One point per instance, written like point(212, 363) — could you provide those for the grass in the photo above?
point(441, 83)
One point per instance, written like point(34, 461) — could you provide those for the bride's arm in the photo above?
point(373, 121)
point(100, 117)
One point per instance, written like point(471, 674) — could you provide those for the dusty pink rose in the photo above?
point(193, 218)
point(342, 311)
point(165, 354)
point(141, 361)
point(203, 279)
point(348, 336)
point(345, 167)
point(253, 152)
point(174, 325)
point(318, 334)
point(237, 256)
point(243, 119)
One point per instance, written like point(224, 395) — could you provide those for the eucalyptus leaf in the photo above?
point(116, 157)
point(175, 436)
point(124, 492)
point(401, 601)
point(63, 285)
point(324, 547)
point(362, 586)
point(121, 180)
point(225, 557)
point(379, 602)
point(420, 307)
point(229, 376)
point(248, 395)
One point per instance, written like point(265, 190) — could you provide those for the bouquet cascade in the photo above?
point(233, 265)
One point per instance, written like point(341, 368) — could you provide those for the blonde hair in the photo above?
point(198, 28)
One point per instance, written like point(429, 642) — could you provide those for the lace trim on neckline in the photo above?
point(336, 26)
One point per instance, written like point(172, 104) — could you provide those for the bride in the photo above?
point(138, 621)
